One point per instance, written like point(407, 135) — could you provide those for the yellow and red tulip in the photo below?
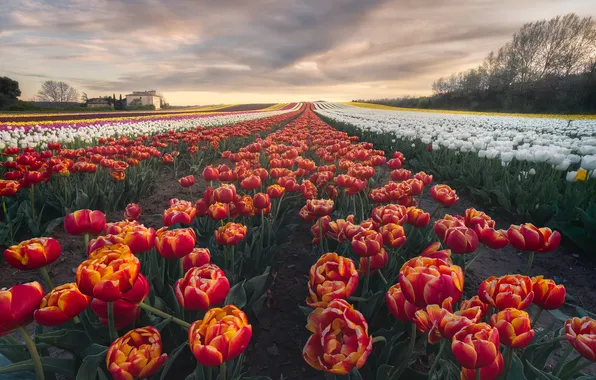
point(507, 291)
point(398, 305)
point(319, 207)
point(60, 305)
point(138, 238)
point(444, 195)
point(461, 239)
point(418, 218)
point(108, 273)
point(187, 181)
point(174, 244)
point(126, 308)
point(434, 251)
point(222, 335)
point(515, 327)
point(218, 211)
point(225, 193)
point(33, 253)
point(198, 257)
point(547, 294)
point(202, 287)
point(426, 281)
point(136, 355)
point(230, 234)
point(182, 212)
point(368, 243)
point(378, 261)
point(489, 372)
point(581, 334)
point(331, 277)
point(340, 340)
point(527, 237)
point(9, 188)
point(393, 235)
point(476, 345)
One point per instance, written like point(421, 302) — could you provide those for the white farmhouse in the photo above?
point(143, 98)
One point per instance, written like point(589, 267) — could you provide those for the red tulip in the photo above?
point(18, 304)
point(515, 327)
point(61, 305)
point(507, 291)
point(197, 258)
point(33, 253)
point(174, 244)
point(137, 354)
point(476, 345)
point(444, 195)
point(85, 222)
point(132, 211)
point(581, 334)
point(187, 181)
point(547, 294)
point(202, 287)
point(398, 305)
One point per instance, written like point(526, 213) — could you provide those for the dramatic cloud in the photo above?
point(211, 51)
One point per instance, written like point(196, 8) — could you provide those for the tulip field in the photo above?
point(297, 241)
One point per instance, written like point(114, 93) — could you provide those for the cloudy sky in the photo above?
point(239, 51)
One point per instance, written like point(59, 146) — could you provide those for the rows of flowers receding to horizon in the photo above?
point(41, 185)
point(385, 269)
point(214, 251)
point(541, 170)
point(83, 132)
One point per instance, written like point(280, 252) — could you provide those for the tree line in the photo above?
point(547, 66)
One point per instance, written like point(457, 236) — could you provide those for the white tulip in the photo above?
point(571, 176)
point(589, 163)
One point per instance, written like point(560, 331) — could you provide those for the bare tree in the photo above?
point(57, 92)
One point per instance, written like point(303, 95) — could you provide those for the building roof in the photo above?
point(144, 93)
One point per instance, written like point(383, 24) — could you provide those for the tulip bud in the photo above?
point(261, 200)
point(195, 259)
point(18, 304)
point(132, 211)
point(251, 182)
point(85, 221)
point(210, 173)
point(222, 335)
point(137, 354)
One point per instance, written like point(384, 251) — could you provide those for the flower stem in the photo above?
point(34, 354)
point(578, 367)
point(222, 371)
point(32, 195)
point(46, 277)
point(367, 279)
point(379, 338)
point(402, 366)
point(111, 324)
point(478, 374)
point(437, 358)
point(537, 316)
point(383, 277)
point(530, 261)
point(162, 314)
point(86, 246)
point(508, 361)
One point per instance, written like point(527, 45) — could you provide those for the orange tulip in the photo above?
point(18, 304)
point(85, 221)
point(336, 228)
point(426, 281)
point(308, 189)
point(425, 178)
point(495, 239)
point(218, 211)
point(244, 206)
point(368, 243)
point(400, 174)
point(472, 217)
point(331, 277)
point(251, 182)
point(276, 191)
point(198, 257)
point(210, 173)
point(261, 201)
point(102, 241)
point(393, 235)
point(581, 334)
point(222, 335)
point(390, 214)
point(137, 354)
point(418, 218)
point(117, 227)
point(174, 244)
point(126, 308)
point(398, 305)
point(138, 238)
point(340, 340)
point(507, 291)
point(118, 176)
point(230, 234)
point(475, 304)
point(476, 345)
point(33, 253)
point(108, 273)
point(444, 195)
point(547, 294)
point(61, 305)
point(202, 287)
point(442, 225)
point(515, 327)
